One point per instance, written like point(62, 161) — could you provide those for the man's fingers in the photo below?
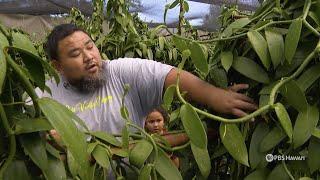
point(244, 98)
point(238, 113)
point(238, 87)
point(245, 105)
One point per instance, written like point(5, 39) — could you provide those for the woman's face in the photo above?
point(155, 123)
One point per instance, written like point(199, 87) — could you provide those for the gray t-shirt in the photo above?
point(100, 110)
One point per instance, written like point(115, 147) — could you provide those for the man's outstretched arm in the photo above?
point(221, 100)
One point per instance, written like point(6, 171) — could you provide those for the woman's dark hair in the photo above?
point(58, 34)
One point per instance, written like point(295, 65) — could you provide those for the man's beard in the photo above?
point(90, 83)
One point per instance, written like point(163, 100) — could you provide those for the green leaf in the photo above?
point(198, 57)
point(168, 96)
point(186, 54)
point(161, 42)
point(140, 152)
point(186, 6)
point(260, 45)
point(56, 169)
point(292, 39)
point(174, 4)
point(180, 43)
point(203, 160)
point(313, 159)
point(51, 150)
point(32, 125)
point(91, 147)
point(165, 167)
point(101, 155)
point(294, 95)
point(106, 137)
point(219, 76)
point(234, 142)
point(35, 148)
point(62, 120)
point(257, 158)
point(150, 54)
point(275, 45)
point(316, 132)
point(125, 137)
point(16, 170)
point(278, 173)
point(3, 62)
point(193, 126)
point(226, 59)
point(273, 138)
point(250, 69)
point(124, 112)
point(145, 172)
point(174, 54)
point(304, 125)
point(21, 41)
point(259, 174)
point(309, 77)
point(284, 119)
point(235, 26)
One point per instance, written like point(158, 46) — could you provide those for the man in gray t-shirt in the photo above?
point(93, 88)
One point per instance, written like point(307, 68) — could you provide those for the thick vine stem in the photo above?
point(312, 29)
point(306, 9)
point(149, 137)
point(12, 142)
point(287, 170)
point(28, 86)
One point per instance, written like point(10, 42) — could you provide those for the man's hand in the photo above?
point(227, 101)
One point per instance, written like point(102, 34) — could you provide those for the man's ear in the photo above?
point(56, 64)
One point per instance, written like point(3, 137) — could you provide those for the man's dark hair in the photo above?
point(58, 34)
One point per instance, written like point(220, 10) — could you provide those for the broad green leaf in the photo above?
point(186, 6)
point(219, 76)
point(275, 45)
point(294, 95)
point(165, 167)
point(234, 142)
point(72, 164)
point(150, 54)
point(304, 125)
point(16, 170)
point(226, 59)
point(292, 39)
point(193, 126)
point(56, 169)
point(32, 125)
point(284, 119)
point(250, 69)
point(273, 138)
point(101, 155)
point(140, 152)
point(161, 42)
point(257, 158)
point(309, 77)
point(259, 174)
point(264, 100)
point(21, 41)
point(3, 41)
point(278, 173)
point(125, 137)
point(316, 132)
point(203, 160)
point(145, 172)
point(35, 148)
point(235, 26)
point(180, 43)
point(174, 4)
point(107, 138)
point(3, 62)
point(91, 147)
point(168, 96)
point(62, 120)
point(120, 152)
point(313, 154)
point(260, 45)
point(198, 57)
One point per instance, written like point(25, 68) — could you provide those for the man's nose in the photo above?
point(87, 57)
